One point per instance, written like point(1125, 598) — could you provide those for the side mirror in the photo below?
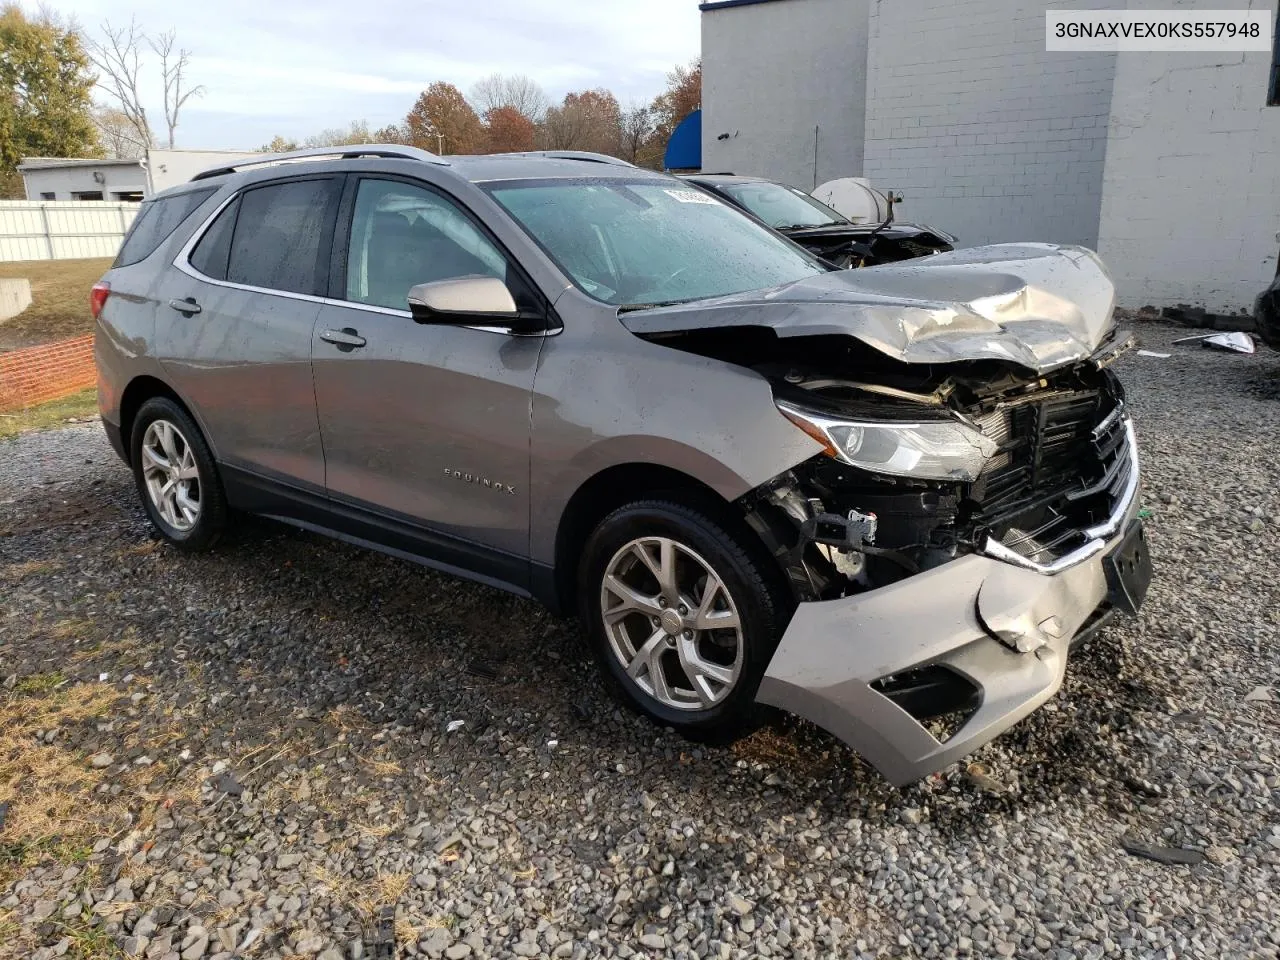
point(465, 300)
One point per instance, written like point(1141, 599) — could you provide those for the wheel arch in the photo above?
point(138, 391)
point(616, 486)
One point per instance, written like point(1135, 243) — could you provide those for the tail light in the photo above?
point(98, 297)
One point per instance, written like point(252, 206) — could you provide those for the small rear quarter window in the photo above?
point(155, 222)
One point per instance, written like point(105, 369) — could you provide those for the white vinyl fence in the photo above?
point(62, 229)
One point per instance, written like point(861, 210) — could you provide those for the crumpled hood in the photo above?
point(1040, 305)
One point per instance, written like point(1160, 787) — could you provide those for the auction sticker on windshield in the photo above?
point(689, 196)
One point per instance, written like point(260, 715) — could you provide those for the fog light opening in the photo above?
point(937, 697)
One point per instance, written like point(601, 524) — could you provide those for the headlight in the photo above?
point(931, 449)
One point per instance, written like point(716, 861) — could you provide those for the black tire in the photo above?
point(211, 519)
point(745, 573)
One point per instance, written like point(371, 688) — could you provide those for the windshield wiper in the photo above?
point(629, 307)
point(811, 226)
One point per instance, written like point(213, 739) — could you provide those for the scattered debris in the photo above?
point(552, 744)
point(1232, 342)
point(1161, 854)
point(1235, 342)
point(979, 775)
point(1152, 353)
point(455, 725)
point(482, 669)
point(102, 677)
point(1260, 695)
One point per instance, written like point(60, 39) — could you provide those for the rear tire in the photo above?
point(176, 476)
point(681, 616)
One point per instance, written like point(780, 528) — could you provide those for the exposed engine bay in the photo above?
point(887, 243)
point(1059, 464)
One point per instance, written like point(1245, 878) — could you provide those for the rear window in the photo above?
point(275, 237)
point(155, 222)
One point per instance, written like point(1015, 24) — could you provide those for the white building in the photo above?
point(52, 178)
point(1167, 163)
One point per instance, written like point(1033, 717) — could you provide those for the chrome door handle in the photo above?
point(346, 338)
point(187, 307)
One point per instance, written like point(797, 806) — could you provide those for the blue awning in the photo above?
point(684, 149)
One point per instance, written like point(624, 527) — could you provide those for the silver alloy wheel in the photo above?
point(671, 623)
point(171, 476)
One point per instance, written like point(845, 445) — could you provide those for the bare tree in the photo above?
point(117, 56)
point(637, 128)
point(173, 64)
point(517, 92)
point(119, 138)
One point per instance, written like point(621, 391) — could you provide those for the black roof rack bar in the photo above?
point(586, 155)
point(345, 152)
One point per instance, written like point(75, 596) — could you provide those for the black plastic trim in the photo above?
point(115, 436)
point(362, 525)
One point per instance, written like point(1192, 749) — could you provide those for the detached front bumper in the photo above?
point(839, 659)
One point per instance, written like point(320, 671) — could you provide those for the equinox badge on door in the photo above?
point(481, 481)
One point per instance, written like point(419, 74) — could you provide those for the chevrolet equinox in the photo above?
point(889, 500)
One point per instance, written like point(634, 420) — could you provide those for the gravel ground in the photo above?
point(292, 747)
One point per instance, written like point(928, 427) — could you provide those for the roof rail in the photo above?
point(344, 152)
point(586, 155)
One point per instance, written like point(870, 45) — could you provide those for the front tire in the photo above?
point(682, 617)
point(176, 476)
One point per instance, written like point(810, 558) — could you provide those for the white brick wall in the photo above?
point(986, 134)
point(1191, 191)
point(771, 72)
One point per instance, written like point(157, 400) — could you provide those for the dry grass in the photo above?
point(73, 628)
point(20, 571)
point(62, 818)
point(59, 300)
point(365, 897)
point(55, 413)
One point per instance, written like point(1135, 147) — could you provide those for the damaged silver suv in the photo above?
point(889, 500)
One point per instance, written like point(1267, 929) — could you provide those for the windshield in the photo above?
point(781, 207)
point(639, 242)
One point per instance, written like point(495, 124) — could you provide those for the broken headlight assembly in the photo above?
point(926, 449)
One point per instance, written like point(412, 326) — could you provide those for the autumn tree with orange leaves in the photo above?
point(508, 114)
point(442, 121)
point(507, 130)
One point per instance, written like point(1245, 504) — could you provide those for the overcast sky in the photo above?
point(295, 67)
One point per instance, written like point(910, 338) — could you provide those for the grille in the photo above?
point(1062, 467)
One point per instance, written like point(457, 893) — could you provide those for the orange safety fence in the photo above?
point(47, 372)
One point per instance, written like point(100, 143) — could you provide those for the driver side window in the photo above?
point(403, 235)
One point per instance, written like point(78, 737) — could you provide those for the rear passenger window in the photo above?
point(214, 249)
point(155, 222)
point(277, 237)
